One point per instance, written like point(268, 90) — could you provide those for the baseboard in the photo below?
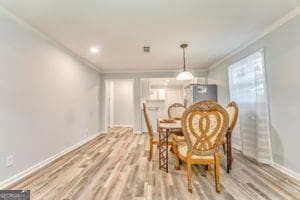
point(14, 179)
point(287, 171)
point(237, 147)
point(123, 125)
point(137, 132)
point(265, 161)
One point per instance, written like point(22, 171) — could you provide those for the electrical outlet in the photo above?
point(9, 160)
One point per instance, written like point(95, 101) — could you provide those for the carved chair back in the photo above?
point(175, 111)
point(204, 126)
point(233, 111)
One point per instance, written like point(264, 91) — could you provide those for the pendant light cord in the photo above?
point(183, 59)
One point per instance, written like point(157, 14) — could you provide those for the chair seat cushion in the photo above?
point(182, 150)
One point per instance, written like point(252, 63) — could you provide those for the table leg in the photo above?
point(163, 149)
point(159, 147)
point(167, 151)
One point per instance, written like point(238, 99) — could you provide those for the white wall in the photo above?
point(219, 76)
point(282, 61)
point(123, 102)
point(48, 99)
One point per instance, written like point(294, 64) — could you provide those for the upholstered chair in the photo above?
point(175, 111)
point(204, 127)
point(153, 136)
point(233, 111)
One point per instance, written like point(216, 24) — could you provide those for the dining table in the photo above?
point(166, 128)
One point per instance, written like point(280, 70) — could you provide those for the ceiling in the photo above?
point(120, 28)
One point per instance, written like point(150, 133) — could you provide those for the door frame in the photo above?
point(109, 104)
point(109, 101)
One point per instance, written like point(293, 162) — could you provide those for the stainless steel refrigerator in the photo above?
point(199, 92)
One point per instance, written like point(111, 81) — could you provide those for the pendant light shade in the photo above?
point(184, 75)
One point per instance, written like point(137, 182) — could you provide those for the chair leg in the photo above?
point(175, 151)
point(208, 168)
point(189, 175)
point(177, 163)
point(229, 153)
point(151, 150)
point(217, 172)
point(224, 148)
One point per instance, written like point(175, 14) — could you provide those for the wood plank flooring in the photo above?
point(114, 166)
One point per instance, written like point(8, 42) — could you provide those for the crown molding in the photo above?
point(292, 14)
point(121, 71)
point(47, 38)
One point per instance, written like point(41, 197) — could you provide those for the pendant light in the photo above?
point(184, 75)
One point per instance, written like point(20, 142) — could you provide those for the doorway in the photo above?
point(119, 103)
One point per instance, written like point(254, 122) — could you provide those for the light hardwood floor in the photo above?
point(114, 166)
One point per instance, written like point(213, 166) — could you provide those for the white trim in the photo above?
point(52, 41)
point(108, 103)
point(34, 168)
point(237, 147)
point(265, 161)
point(123, 125)
point(122, 71)
point(286, 171)
point(292, 14)
point(137, 132)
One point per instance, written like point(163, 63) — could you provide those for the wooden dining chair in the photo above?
point(233, 111)
point(153, 136)
point(175, 111)
point(204, 126)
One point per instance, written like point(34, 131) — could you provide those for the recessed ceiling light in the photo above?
point(94, 49)
point(168, 80)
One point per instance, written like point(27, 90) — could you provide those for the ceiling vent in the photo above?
point(146, 49)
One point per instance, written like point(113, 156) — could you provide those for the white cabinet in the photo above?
point(158, 94)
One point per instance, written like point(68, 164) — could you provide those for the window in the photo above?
point(247, 86)
point(247, 78)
